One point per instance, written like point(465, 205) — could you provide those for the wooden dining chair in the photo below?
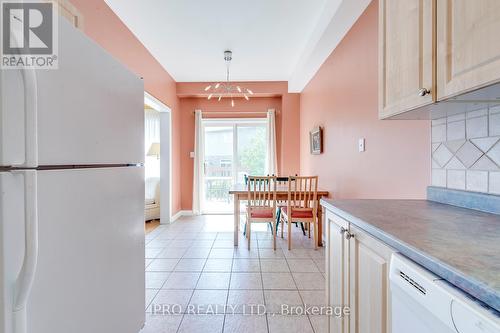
point(302, 206)
point(283, 182)
point(261, 205)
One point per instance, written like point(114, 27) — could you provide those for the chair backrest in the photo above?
point(303, 192)
point(261, 191)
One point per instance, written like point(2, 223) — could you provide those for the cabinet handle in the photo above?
point(423, 91)
point(343, 230)
point(348, 235)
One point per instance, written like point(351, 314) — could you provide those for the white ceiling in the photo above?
point(271, 40)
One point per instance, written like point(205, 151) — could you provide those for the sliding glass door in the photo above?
point(233, 148)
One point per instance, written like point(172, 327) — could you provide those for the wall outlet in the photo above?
point(361, 145)
point(191, 154)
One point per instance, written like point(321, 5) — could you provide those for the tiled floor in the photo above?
point(197, 281)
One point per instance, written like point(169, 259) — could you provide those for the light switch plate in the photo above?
point(361, 145)
point(191, 154)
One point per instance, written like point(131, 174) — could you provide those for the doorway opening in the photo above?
point(233, 149)
point(158, 159)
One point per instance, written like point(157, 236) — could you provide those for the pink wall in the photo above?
point(342, 97)
point(287, 124)
point(104, 27)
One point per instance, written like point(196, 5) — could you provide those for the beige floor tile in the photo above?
point(172, 252)
point(245, 301)
point(181, 280)
point(270, 253)
point(206, 243)
point(321, 263)
point(155, 280)
point(151, 253)
point(208, 301)
point(245, 281)
point(190, 265)
point(319, 323)
point(221, 253)
point(223, 244)
point(201, 323)
point(274, 265)
point(243, 252)
point(161, 324)
point(309, 281)
point(197, 253)
point(296, 253)
point(245, 324)
point(246, 265)
point(289, 324)
point(170, 302)
point(181, 243)
point(213, 281)
point(302, 265)
point(150, 294)
point(277, 299)
point(162, 265)
point(278, 281)
point(313, 297)
point(218, 265)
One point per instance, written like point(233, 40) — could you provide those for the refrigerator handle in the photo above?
point(30, 110)
point(30, 117)
point(26, 276)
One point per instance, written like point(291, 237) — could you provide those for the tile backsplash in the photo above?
point(466, 151)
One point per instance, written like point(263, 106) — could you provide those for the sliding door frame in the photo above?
point(234, 123)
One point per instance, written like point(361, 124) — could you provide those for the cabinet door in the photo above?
point(337, 270)
point(369, 284)
point(405, 55)
point(468, 49)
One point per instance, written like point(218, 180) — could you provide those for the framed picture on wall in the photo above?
point(316, 140)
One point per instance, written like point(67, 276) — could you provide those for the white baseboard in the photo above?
point(181, 213)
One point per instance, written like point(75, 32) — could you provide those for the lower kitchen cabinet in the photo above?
point(337, 270)
point(357, 278)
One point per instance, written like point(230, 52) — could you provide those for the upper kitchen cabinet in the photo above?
point(437, 51)
point(406, 40)
point(468, 52)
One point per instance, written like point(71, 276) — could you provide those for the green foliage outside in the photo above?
point(253, 157)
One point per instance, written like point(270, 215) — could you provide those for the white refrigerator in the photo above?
point(72, 194)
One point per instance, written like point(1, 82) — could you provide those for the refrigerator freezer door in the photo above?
point(90, 269)
point(11, 243)
point(89, 111)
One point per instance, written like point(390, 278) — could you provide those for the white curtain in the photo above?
point(198, 164)
point(151, 135)
point(271, 160)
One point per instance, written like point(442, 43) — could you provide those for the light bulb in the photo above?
point(246, 97)
point(250, 92)
point(232, 103)
point(217, 85)
point(209, 96)
point(239, 89)
point(208, 87)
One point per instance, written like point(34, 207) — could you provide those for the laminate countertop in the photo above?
point(460, 245)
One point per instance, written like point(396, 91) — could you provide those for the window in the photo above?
point(233, 149)
point(151, 135)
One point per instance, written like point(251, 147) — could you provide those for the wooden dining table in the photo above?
point(240, 192)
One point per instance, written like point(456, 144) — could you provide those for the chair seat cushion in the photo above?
point(305, 214)
point(261, 213)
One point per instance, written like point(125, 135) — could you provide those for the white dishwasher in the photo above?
point(424, 303)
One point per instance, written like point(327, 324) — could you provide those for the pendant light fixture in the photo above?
point(226, 89)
